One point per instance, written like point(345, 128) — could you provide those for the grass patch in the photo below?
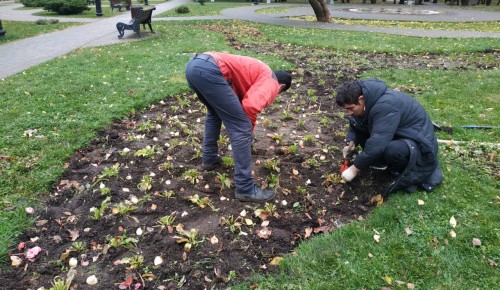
point(487, 26)
point(196, 9)
point(23, 29)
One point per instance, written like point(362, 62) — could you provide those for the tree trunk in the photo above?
point(320, 10)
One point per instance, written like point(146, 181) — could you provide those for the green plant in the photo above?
point(148, 151)
point(273, 180)
point(301, 190)
point(98, 213)
point(227, 161)
point(272, 164)
point(60, 284)
point(202, 2)
point(324, 121)
point(192, 175)
point(294, 148)
point(109, 172)
point(309, 139)
point(234, 224)
point(224, 180)
point(168, 194)
point(122, 241)
point(146, 126)
point(66, 7)
point(79, 246)
point(104, 189)
point(201, 202)
point(331, 179)
point(166, 166)
point(188, 238)
point(182, 9)
point(301, 123)
point(146, 183)
point(135, 262)
point(278, 137)
point(123, 208)
point(46, 21)
point(167, 220)
point(311, 163)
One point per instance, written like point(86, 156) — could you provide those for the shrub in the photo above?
point(33, 3)
point(202, 2)
point(66, 7)
point(46, 21)
point(182, 9)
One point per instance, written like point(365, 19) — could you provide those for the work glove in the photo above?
point(348, 150)
point(349, 174)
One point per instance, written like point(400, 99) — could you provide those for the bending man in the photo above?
point(234, 89)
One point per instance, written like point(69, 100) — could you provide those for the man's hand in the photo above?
point(349, 174)
point(347, 151)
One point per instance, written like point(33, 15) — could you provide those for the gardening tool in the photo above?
point(347, 152)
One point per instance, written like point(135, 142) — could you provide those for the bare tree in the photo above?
point(320, 10)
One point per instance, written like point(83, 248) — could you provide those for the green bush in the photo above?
point(46, 21)
point(202, 2)
point(66, 7)
point(33, 3)
point(182, 9)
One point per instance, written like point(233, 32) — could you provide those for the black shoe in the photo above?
point(258, 195)
point(211, 166)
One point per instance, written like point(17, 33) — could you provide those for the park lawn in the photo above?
point(105, 83)
point(22, 29)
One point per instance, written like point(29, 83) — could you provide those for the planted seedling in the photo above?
point(273, 180)
point(309, 139)
point(301, 190)
point(192, 175)
point(301, 123)
point(148, 151)
point(272, 164)
point(78, 246)
point(269, 210)
point(167, 221)
point(98, 213)
point(122, 241)
point(123, 208)
point(168, 194)
point(234, 224)
point(227, 161)
point(60, 284)
point(331, 179)
point(103, 189)
point(166, 166)
point(145, 126)
point(224, 180)
point(188, 238)
point(146, 183)
point(324, 121)
point(135, 262)
point(108, 172)
point(311, 163)
point(201, 202)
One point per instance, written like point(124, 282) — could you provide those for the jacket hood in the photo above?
point(372, 90)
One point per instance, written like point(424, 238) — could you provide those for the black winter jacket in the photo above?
point(393, 115)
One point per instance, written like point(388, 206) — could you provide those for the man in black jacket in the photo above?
point(394, 131)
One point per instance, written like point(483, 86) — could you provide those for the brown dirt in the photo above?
point(310, 199)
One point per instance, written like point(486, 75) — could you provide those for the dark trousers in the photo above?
point(223, 107)
point(397, 155)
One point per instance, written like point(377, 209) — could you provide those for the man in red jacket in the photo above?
point(234, 89)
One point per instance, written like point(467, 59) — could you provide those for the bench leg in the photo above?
point(120, 26)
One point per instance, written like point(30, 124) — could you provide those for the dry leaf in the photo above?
point(377, 199)
point(74, 234)
point(420, 202)
point(214, 240)
point(16, 261)
point(410, 286)
point(276, 261)
point(264, 233)
point(408, 231)
point(308, 232)
point(476, 242)
point(453, 234)
point(388, 280)
point(376, 238)
point(158, 261)
point(264, 224)
point(453, 222)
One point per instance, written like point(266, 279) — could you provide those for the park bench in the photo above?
point(115, 4)
point(139, 16)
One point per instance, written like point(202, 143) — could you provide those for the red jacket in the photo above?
point(251, 80)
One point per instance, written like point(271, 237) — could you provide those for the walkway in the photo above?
point(20, 55)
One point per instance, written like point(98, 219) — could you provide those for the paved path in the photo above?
point(20, 55)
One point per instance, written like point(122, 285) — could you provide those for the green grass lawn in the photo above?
point(208, 9)
point(23, 29)
point(68, 99)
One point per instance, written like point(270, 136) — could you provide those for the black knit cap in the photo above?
point(283, 77)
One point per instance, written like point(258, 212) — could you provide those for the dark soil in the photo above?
point(233, 239)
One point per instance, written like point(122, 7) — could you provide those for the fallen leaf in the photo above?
point(376, 238)
point(378, 199)
point(74, 234)
point(492, 263)
point(453, 234)
point(276, 261)
point(21, 246)
point(73, 262)
point(410, 286)
point(264, 233)
point(264, 224)
point(16, 261)
point(408, 231)
point(453, 222)
point(308, 233)
point(476, 242)
point(388, 280)
point(214, 240)
point(208, 280)
point(420, 202)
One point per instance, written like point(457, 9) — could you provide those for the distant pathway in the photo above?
point(20, 55)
